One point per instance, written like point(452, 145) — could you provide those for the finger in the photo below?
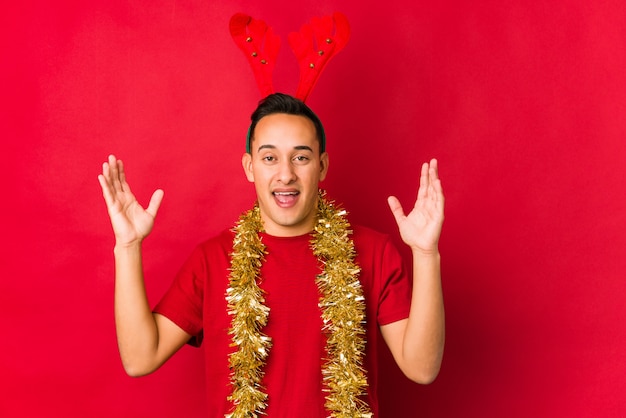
point(440, 198)
point(422, 192)
point(433, 171)
point(155, 202)
point(122, 174)
point(106, 189)
point(104, 177)
point(434, 167)
point(396, 209)
point(106, 171)
point(114, 175)
point(437, 189)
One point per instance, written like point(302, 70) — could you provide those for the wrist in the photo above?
point(121, 247)
point(425, 254)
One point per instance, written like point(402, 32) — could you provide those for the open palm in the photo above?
point(130, 221)
point(421, 228)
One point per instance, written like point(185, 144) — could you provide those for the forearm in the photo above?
point(136, 328)
point(423, 342)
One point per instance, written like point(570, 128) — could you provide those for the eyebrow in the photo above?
point(297, 147)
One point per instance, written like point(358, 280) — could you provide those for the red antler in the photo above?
point(260, 46)
point(313, 57)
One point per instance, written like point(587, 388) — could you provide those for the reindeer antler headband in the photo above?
point(314, 46)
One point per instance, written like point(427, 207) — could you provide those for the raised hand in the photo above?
point(131, 222)
point(421, 228)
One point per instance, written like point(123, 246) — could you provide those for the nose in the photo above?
point(286, 172)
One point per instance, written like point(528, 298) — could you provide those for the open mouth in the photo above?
point(286, 199)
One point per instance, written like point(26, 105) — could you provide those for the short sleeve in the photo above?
point(182, 303)
point(394, 302)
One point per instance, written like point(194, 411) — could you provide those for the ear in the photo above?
point(323, 165)
point(246, 163)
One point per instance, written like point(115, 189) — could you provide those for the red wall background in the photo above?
point(522, 102)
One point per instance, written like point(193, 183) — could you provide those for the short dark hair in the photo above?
point(284, 103)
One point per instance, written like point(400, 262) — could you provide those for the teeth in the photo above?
point(285, 193)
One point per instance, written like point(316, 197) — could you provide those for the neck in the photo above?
point(287, 231)
point(290, 228)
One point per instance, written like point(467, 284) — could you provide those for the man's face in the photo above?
point(286, 167)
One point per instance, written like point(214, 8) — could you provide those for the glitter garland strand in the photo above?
point(249, 316)
point(343, 315)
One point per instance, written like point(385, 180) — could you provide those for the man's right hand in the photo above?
point(131, 222)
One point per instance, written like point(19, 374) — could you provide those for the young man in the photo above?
point(287, 304)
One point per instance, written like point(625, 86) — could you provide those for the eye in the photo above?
point(301, 158)
point(269, 158)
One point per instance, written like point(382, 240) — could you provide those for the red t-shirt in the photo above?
point(293, 379)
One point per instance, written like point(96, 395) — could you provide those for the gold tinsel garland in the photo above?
point(343, 314)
